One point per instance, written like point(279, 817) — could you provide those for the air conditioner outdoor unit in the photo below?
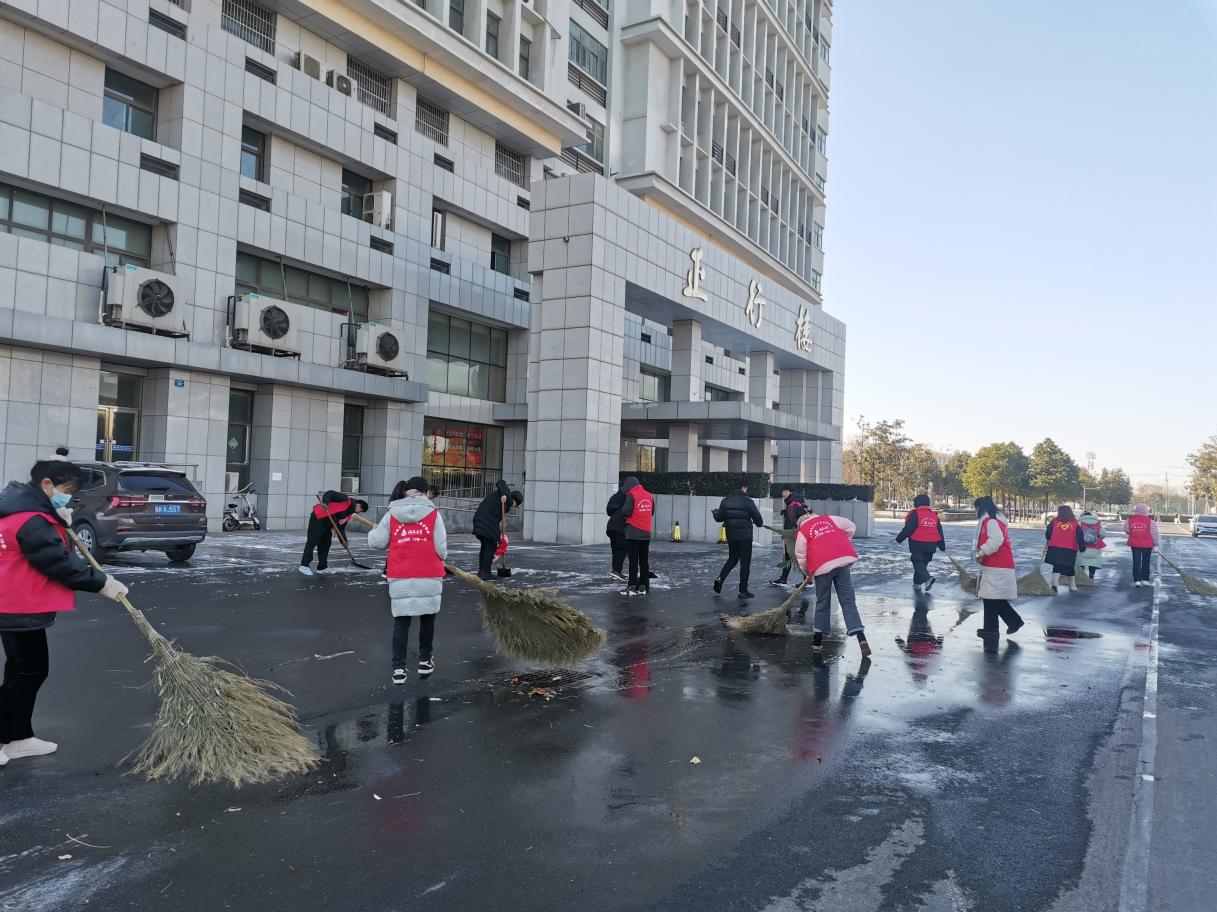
point(340, 81)
point(348, 484)
point(136, 296)
point(378, 347)
point(378, 208)
point(232, 481)
point(308, 65)
point(266, 323)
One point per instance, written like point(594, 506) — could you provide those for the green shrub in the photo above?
point(817, 491)
point(700, 484)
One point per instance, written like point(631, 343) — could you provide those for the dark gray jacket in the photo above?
point(739, 514)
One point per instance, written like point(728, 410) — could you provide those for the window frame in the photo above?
point(440, 353)
point(259, 155)
point(443, 470)
point(439, 228)
point(356, 307)
point(114, 93)
point(588, 54)
point(350, 409)
point(96, 224)
point(503, 254)
point(456, 11)
point(663, 386)
point(346, 195)
point(525, 58)
point(497, 21)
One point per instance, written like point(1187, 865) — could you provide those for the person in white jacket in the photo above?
point(998, 583)
point(413, 531)
point(823, 549)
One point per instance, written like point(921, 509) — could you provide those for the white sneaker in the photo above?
point(399, 676)
point(323, 571)
point(29, 747)
point(1137, 584)
point(306, 569)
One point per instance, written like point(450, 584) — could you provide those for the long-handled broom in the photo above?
point(1194, 584)
point(767, 623)
point(342, 538)
point(1033, 582)
point(213, 725)
point(967, 579)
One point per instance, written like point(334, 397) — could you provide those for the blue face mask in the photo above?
point(59, 499)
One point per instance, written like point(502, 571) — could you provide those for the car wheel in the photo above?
point(180, 553)
point(88, 538)
point(230, 524)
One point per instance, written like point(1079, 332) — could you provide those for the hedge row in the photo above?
point(700, 484)
point(816, 491)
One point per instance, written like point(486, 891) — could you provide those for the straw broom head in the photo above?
point(213, 725)
point(1033, 583)
point(766, 623)
point(967, 579)
point(1194, 584)
point(534, 624)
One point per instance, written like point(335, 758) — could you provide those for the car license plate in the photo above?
point(168, 508)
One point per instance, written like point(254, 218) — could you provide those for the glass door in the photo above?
point(117, 434)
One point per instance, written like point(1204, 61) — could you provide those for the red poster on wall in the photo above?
point(475, 447)
point(454, 452)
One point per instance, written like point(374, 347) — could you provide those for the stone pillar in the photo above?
point(800, 393)
point(735, 461)
point(687, 359)
point(629, 456)
point(760, 378)
point(392, 446)
point(758, 455)
point(684, 454)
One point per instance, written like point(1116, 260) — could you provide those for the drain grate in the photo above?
point(551, 678)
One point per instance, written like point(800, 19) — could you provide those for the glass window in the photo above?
point(308, 288)
point(156, 483)
point(354, 186)
point(129, 105)
point(458, 337)
point(492, 35)
point(715, 394)
point(352, 439)
point(437, 372)
point(525, 57)
point(439, 228)
point(462, 458)
point(64, 224)
point(122, 390)
point(479, 342)
point(253, 154)
point(437, 332)
point(652, 458)
point(456, 15)
point(498, 347)
point(588, 53)
point(70, 221)
point(817, 236)
point(240, 428)
point(458, 377)
point(31, 210)
point(654, 387)
point(500, 253)
point(594, 147)
point(466, 358)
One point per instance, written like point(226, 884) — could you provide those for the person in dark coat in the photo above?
point(738, 513)
point(39, 571)
point(790, 527)
point(490, 523)
point(1065, 541)
point(320, 531)
point(638, 509)
point(615, 530)
point(923, 531)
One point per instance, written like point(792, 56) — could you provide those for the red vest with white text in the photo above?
point(1003, 557)
point(927, 526)
point(1139, 535)
point(26, 590)
point(321, 511)
point(644, 508)
point(825, 542)
point(412, 549)
point(1064, 535)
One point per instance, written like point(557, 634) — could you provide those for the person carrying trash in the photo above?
point(639, 512)
point(790, 498)
point(39, 572)
point(413, 531)
point(490, 523)
point(923, 531)
point(1091, 560)
point(320, 532)
point(738, 514)
point(824, 551)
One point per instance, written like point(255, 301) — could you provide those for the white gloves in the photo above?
point(65, 513)
point(113, 588)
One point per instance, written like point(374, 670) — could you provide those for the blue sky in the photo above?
point(1031, 188)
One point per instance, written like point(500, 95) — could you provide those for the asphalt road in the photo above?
point(934, 777)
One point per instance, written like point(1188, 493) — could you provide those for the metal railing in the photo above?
point(431, 121)
point(374, 88)
point(250, 22)
point(595, 10)
point(586, 82)
point(511, 165)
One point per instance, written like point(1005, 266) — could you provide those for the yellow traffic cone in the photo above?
point(722, 535)
point(676, 531)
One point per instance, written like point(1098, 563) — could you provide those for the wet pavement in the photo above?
point(936, 776)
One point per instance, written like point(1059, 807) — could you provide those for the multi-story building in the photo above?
point(311, 244)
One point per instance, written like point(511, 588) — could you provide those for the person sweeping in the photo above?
point(923, 531)
point(413, 531)
point(615, 530)
point(998, 582)
point(1065, 542)
point(824, 551)
point(1091, 560)
point(490, 523)
point(39, 572)
point(335, 509)
point(792, 501)
point(1142, 532)
point(639, 512)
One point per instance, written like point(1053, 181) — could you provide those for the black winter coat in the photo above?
point(920, 547)
point(487, 521)
point(46, 551)
point(739, 514)
point(788, 521)
point(616, 517)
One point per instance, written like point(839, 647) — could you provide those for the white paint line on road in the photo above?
point(1134, 884)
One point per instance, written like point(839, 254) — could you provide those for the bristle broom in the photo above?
point(1194, 584)
point(767, 623)
point(967, 579)
point(534, 624)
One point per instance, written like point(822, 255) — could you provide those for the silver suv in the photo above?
point(138, 506)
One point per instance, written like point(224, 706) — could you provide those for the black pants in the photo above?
point(639, 552)
point(1140, 564)
point(999, 608)
point(320, 535)
point(921, 566)
point(486, 555)
point(738, 552)
point(401, 638)
point(1092, 571)
point(26, 666)
point(787, 559)
point(617, 544)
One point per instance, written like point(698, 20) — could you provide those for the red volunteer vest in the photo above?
point(1098, 530)
point(321, 511)
point(644, 508)
point(1138, 532)
point(825, 542)
point(26, 591)
point(412, 549)
point(927, 526)
point(1064, 535)
point(1003, 557)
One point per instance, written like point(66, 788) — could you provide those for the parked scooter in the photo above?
point(243, 515)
